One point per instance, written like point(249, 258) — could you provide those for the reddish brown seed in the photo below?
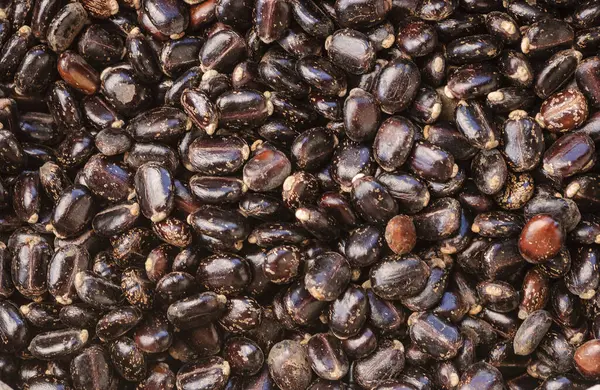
point(75, 70)
point(587, 359)
point(400, 234)
point(563, 111)
point(571, 154)
point(271, 18)
point(534, 293)
point(541, 238)
point(267, 170)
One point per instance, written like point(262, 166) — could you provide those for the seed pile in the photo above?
point(299, 194)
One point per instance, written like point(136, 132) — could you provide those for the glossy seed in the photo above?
point(386, 362)
point(541, 238)
point(563, 111)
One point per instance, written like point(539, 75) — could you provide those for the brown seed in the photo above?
point(563, 111)
point(569, 155)
point(361, 115)
point(541, 238)
point(522, 141)
point(36, 71)
point(267, 170)
point(101, 45)
point(588, 80)
point(63, 267)
point(587, 359)
point(222, 51)
point(200, 110)
point(434, 335)
point(535, 292)
point(153, 335)
point(74, 69)
point(400, 234)
point(98, 378)
point(393, 142)
point(348, 313)
point(196, 310)
point(372, 200)
point(364, 13)
point(271, 18)
point(244, 356)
